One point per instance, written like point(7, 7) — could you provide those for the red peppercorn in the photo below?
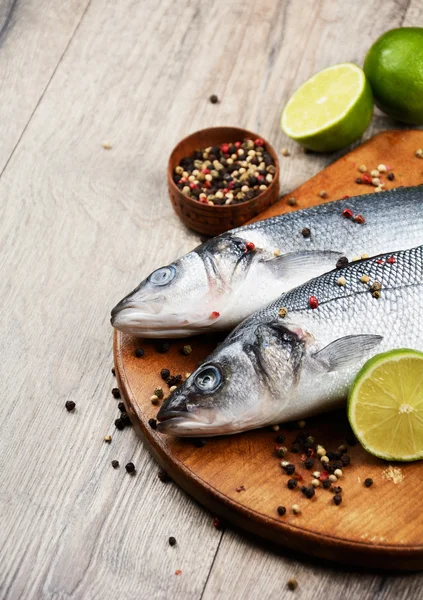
point(206, 171)
point(379, 261)
point(313, 302)
point(231, 185)
point(347, 213)
point(366, 179)
point(182, 180)
point(207, 185)
point(260, 177)
point(359, 219)
point(344, 197)
point(193, 186)
point(391, 260)
point(237, 144)
point(225, 190)
point(224, 148)
point(250, 246)
point(258, 142)
point(215, 314)
point(204, 201)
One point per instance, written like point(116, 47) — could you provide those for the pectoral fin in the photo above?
point(346, 350)
point(304, 264)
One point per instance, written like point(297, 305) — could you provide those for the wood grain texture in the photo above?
point(361, 531)
point(34, 34)
point(81, 225)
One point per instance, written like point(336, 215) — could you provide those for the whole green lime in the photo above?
point(394, 68)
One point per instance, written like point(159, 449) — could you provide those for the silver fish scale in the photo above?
point(330, 230)
point(407, 270)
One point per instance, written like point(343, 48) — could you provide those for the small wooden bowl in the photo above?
point(212, 220)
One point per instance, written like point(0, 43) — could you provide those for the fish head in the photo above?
point(242, 385)
point(186, 297)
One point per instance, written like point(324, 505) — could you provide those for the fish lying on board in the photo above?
point(221, 282)
point(274, 368)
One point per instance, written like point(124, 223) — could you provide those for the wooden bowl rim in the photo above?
point(228, 207)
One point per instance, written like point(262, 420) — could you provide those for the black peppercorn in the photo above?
point(359, 180)
point(326, 484)
point(163, 476)
point(290, 469)
point(337, 464)
point(295, 447)
point(164, 374)
point(309, 462)
point(152, 423)
point(199, 442)
point(139, 352)
point(337, 499)
point(368, 482)
point(337, 489)
point(162, 347)
point(172, 541)
point(116, 393)
point(308, 491)
point(115, 464)
point(330, 455)
point(281, 511)
point(342, 262)
point(121, 407)
point(113, 372)
point(130, 467)
point(306, 232)
point(391, 176)
point(214, 99)
point(345, 460)
point(70, 405)
point(280, 438)
point(292, 484)
point(120, 424)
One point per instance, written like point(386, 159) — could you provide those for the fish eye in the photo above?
point(162, 276)
point(208, 379)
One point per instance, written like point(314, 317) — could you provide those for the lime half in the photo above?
point(385, 405)
point(331, 110)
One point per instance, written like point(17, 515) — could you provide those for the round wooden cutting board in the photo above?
point(239, 477)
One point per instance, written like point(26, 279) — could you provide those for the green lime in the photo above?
point(385, 405)
point(394, 68)
point(331, 110)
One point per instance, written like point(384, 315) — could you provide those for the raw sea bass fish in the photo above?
point(229, 277)
point(274, 368)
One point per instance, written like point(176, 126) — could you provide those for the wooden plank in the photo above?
point(82, 224)
point(33, 36)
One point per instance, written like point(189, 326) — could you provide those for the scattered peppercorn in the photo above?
point(116, 393)
point(345, 460)
point(359, 180)
point(130, 467)
point(163, 476)
point(391, 176)
point(122, 407)
point(282, 312)
point(152, 423)
point(281, 511)
point(115, 464)
point(113, 372)
point(337, 499)
point(295, 447)
point(368, 482)
point(70, 405)
point(313, 302)
point(296, 509)
point(323, 194)
point(342, 262)
point(292, 584)
point(187, 349)
point(164, 374)
point(172, 541)
point(291, 201)
point(309, 463)
point(108, 439)
point(139, 352)
point(280, 438)
point(308, 492)
point(162, 347)
point(120, 424)
point(285, 152)
point(337, 489)
point(306, 232)
point(359, 219)
point(347, 213)
point(326, 483)
point(362, 168)
point(292, 484)
point(290, 469)
point(214, 99)
point(281, 451)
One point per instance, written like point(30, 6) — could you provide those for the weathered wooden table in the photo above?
point(81, 225)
